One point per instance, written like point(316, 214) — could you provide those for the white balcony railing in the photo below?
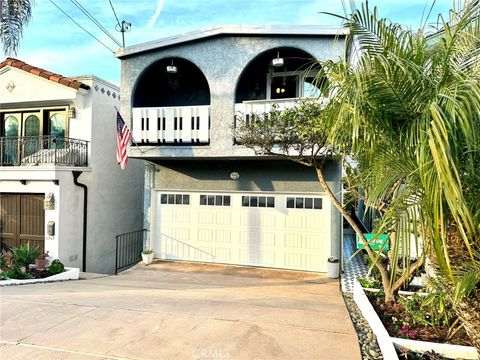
point(258, 108)
point(172, 125)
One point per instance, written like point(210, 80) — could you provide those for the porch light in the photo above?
point(171, 69)
point(278, 61)
point(72, 113)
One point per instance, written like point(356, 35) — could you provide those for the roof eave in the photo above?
point(272, 30)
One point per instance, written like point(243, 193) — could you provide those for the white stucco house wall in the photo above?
point(57, 143)
point(208, 198)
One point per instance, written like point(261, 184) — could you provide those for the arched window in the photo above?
point(292, 77)
point(171, 82)
point(32, 126)
point(11, 126)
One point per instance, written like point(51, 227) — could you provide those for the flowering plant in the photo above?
point(43, 256)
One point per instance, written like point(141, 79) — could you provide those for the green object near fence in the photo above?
point(377, 244)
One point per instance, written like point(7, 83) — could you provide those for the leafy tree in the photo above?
point(407, 112)
point(14, 15)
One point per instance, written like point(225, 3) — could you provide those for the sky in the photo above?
point(53, 42)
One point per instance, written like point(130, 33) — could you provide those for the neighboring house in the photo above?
point(208, 198)
point(55, 134)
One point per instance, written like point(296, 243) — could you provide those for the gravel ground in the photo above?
point(366, 338)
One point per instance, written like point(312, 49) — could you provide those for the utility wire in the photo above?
point(95, 21)
point(114, 12)
point(80, 26)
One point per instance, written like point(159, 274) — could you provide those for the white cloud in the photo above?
point(155, 16)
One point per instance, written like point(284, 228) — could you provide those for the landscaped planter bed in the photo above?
point(388, 344)
point(68, 274)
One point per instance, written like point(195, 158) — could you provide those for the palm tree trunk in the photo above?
point(388, 289)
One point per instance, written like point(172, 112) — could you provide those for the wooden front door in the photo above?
point(22, 220)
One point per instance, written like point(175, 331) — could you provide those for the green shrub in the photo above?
point(369, 284)
point(25, 255)
point(16, 273)
point(55, 267)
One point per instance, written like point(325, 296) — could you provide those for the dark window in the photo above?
point(299, 203)
point(270, 202)
point(303, 203)
point(262, 201)
point(215, 200)
point(210, 200)
point(308, 203)
point(258, 201)
point(290, 202)
point(175, 199)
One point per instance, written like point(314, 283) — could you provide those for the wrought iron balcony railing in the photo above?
point(43, 150)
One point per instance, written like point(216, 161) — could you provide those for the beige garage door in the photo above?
point(290, 231)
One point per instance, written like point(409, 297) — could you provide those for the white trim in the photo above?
point(263, 30)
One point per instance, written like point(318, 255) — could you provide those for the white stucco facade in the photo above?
point(114, 196)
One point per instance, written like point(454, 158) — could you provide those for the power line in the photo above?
point(95, 21)
point(80, 26)
point(114, 12)
point(123, 27)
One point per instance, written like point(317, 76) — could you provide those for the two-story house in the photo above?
point(60, 187)
point(208, 198)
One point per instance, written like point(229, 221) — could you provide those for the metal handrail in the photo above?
point(40, 150)
point(128, 248)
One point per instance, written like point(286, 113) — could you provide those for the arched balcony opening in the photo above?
point(277, 76)
point(171, 104)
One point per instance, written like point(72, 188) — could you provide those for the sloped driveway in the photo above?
point(179, 311)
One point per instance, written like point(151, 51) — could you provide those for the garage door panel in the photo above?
point(205, 235)
point(223, 236)
point(293, 221)
point(267, 239)
point(229, 232)
point(223, 255)
point(293, 260)
point(315, 241)
point(223, 219)
point(293, 240)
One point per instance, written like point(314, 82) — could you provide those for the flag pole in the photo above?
point(133, 140)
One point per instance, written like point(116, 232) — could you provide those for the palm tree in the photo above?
point(14, 15)
point(409, 108)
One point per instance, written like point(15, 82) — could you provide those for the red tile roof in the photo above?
point(44, 73)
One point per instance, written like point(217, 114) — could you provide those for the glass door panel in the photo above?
point(57, 126)
point(11, 129)
point(31, 133)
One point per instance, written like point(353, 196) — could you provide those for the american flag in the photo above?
point(123, 140)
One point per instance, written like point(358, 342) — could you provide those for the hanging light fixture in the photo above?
point(171, 69)
point(278, 61)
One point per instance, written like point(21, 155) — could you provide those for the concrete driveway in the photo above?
point(179, 311)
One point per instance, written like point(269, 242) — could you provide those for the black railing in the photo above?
point(43, 150)
point(128, 248)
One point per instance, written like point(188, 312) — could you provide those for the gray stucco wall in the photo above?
point(222, 60)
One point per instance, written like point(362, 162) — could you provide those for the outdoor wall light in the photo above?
point(234, 175)
point(278, 61)
point(171, 69)
point(72, 114)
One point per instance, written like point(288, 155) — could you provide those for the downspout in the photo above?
point(76, 174)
